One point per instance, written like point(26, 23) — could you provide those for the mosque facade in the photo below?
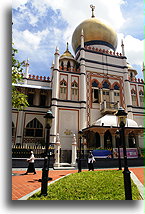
point(84, 92)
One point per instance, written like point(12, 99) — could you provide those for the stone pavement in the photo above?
point(25, 184)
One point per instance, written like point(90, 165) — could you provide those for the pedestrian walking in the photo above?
point(91, 160)
point(31, 167)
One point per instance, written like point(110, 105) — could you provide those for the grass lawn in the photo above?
point(88, 185)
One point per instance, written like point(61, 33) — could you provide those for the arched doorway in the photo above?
point(107, 140)
point(93, 140)
point(131, 140)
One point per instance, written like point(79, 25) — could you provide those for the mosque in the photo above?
point(84, 92)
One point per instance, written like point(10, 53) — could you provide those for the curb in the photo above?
point(37, 190)
point(138, 184)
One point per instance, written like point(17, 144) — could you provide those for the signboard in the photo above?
point(131, 152)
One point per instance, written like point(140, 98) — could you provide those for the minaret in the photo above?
point(55, 95)
point(26, 74)
point(127, 90)
point(122, 45)
point(82, 84)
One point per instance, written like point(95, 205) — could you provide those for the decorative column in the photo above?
point(57, 151)
point(74, 151)
point(101, 95)
point(111, 95)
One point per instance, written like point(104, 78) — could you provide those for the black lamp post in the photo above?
point(48, 123)
point(118, 146)
point(80, 145)
point(122, 116)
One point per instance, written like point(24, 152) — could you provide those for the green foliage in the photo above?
point(96, 185)
point(19, 100)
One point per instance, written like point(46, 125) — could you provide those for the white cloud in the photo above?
point(18, 3)
point(28, 41)
point(74, 12)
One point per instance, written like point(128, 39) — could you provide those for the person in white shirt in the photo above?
point(91, 160)
point(31, 167)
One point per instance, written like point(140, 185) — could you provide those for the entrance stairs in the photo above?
point(64, 166)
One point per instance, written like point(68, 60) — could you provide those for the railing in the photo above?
point(109, 106)
point(19, 151)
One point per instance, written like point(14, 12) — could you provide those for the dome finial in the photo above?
point(67, 46)
point(93, 8)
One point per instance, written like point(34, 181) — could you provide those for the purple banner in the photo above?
point(131, 152)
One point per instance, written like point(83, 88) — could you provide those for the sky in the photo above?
point(41, 25)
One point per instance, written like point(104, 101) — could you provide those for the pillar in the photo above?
point(113, 141)
point(20, 128)
point(74, 151)
point(85, 146)
point(102, 140)
point(57, 151)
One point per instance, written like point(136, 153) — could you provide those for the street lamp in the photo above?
point(80, 145)
point(118, 145)
point(122, 116)
point(48, 123)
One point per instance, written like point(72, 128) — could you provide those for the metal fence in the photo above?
point(24, 151)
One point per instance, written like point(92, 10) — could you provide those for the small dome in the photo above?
point(130, 68)
point(111, 120)
point(95, 32)
point(67, 54)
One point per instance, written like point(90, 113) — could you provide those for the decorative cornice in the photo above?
point(101, 63)
point(69, 106)
point(69, 101)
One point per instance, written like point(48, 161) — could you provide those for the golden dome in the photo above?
point(95, 32)
point(67, 54)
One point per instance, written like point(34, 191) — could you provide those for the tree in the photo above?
point(19, 99)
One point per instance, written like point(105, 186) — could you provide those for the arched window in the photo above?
point(107, 140)
point(133, 96)
point(63, 89)
point(62, 65)
point(34, 129)
point(95, 92)
point(13, 129)
point(141, 98)
point(68, 65)
point(74, 90)
point(116, 87)
point(106, 85)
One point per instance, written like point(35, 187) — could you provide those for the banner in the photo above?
point(131, 152)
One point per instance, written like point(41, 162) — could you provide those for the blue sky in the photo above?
point(41, 25)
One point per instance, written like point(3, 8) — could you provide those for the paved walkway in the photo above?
point(25, 184)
